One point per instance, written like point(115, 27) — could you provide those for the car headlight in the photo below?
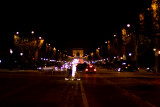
point(39, 68)
point(148, 68)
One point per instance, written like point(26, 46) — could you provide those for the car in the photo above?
point(126, 66)
point(46, 68)
point(81, 67)
point(90, 69)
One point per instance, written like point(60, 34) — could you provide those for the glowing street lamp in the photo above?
point(17, 33)
point(154, 49)
point(40, 38)
point(21, 54)
point(32, 32)
point(11, 51)
point(115, 35)
point(128, 25)
point(130, 54)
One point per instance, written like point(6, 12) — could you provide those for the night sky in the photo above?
point(67, 25)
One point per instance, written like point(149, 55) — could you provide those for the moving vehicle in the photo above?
point(81, 67)
point(126, 66)
point(90, 69)
point(45, 68)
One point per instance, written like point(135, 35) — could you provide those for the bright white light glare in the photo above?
point(154, 49)
point(128, 25)
point(75, 61)
point(11, 51)
point(61, 68)
point(78, 79)
point(17, 33)
point(40, 37)
point(130, 54)
point(56, 68)
point(32, 32)
point(73, 70)
point(0, 61)
point(21, 54)
point(119, 69)
point(39, 68)
point(52, 60)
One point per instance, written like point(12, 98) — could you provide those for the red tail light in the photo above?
point(90, 66)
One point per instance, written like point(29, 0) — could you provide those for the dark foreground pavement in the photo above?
point(103, 89)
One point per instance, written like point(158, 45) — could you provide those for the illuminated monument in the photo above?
point(78, 52)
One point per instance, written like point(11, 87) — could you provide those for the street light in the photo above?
point(154, 49)
point(32, 32)
point(128, 25)
point(21, 54)
point(17, 33)
point(115, 35)
point(40, 38)
point(11, 51)
point(130, 54)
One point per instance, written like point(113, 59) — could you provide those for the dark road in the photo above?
point(106, 88)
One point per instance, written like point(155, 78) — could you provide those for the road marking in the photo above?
point(84, 98)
